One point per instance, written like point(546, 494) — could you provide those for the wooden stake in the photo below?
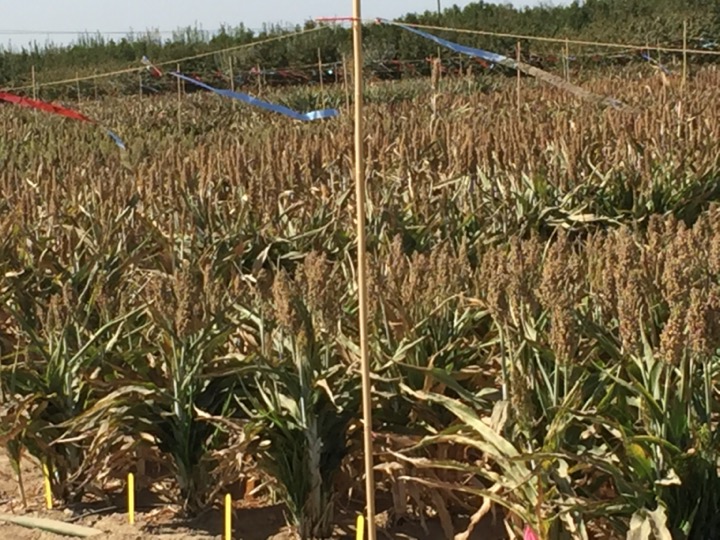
point(131, 498)
point(34, 85)
point(684, 69)
point(179, 94)
point(360, 528)
point(232, 73)
point(345, 83)
point(259, 79)
point(77, 86)
point(228, 517)
point(21, 483)
point(518, 51)
point(362, 269)
point(47, 486)
point(320, 72)
point(435, 83)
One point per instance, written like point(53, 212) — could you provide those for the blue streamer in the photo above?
point(273, 107)
point(510, 63)
point(462, 49)
point(115, 138)
point(662, 68)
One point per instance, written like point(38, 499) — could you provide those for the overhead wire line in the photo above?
point(168, 62)
point(585, 43)
point(563, 40)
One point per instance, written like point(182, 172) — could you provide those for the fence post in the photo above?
point(518, 56)
point(179, 104)
point(232, 73)
point(684, 69)
point(34, 85)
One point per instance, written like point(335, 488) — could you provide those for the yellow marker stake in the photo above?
point(228, 517)
point(131, 498)
point(48, 488)
point(360, 529)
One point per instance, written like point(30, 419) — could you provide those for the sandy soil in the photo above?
point(161, 523)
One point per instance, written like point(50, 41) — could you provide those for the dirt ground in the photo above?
point(162, 523)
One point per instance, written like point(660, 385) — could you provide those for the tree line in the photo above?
point(645, 22)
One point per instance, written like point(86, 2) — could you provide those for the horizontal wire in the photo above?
point(167, 62)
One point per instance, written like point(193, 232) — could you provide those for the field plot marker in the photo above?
point(228, 517)
point(48, 488)
point(34, 82)
point(362, 260)
point(362, 269)
point(360, 528)
point(179, 108)
point(684, 68)
point(131, 498)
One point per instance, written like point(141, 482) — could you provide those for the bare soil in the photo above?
point(162, 523)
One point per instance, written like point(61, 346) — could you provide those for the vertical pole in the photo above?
point(228, 517)
point(320, 72)
point(179, 105)
point(345, 83)
point(684, 69)
point(517, 52)
point(232, 73)
point(435, 83)
point(362, 269)
point(567, 58)
point(48, 487)
point(77, 86)
point(259, 79)
point(95, 90)
point(34, 85)
point(131, 498)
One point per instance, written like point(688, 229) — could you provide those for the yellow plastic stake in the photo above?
point(228, 517)
point(360, 529)
point(48, 488)
point(131, 498)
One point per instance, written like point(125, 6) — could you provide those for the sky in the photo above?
point(39, 17)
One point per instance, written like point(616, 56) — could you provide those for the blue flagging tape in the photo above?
point(255, 102)
point(462, 49)
point(116, 138)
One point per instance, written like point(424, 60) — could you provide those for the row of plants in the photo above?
point(544, 306)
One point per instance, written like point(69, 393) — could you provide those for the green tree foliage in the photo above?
point(644, 22)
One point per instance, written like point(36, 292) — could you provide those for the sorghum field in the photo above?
point(545, 308)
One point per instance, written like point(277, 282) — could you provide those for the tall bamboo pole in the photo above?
point(232, 73)
point(179, 101)
point(34, 83)
point(362, 269)
point(684, 69)
point(519, 59)
point(320, 73)
point(345, 83)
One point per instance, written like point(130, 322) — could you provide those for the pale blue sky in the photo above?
point(167, 15)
